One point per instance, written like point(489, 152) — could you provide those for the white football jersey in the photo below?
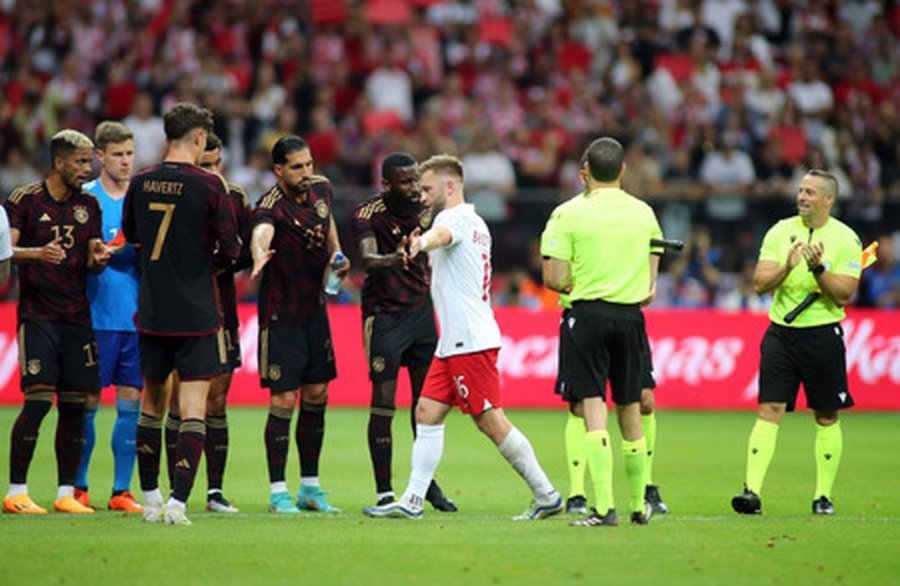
point(461, 284)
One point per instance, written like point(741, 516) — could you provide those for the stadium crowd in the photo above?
point(723, 105)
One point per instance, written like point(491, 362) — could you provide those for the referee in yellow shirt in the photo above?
point(807, 257)
point(596, 250)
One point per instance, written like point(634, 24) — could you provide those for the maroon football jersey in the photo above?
point(237, 198)
point(47, 291)
point(291, 288)
point(180, 215)
point(394, 289)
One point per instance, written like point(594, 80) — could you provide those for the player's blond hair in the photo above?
point(65, 142)
point(443, 164)
point(111, 132)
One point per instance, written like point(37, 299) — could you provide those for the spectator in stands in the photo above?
point(490, 177)
point(880, 285)
point(144, 123)
point(694, 271)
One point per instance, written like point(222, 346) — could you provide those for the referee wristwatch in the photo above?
point(817, 270)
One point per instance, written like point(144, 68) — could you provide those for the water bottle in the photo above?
point(333, 280)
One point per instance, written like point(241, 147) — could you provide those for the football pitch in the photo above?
point(699, 466)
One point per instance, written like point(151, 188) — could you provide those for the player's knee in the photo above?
point(92, 399)
point(771, 412)
point(826, 418)
point(648, 402)
point(284, 400)
point(315, 395)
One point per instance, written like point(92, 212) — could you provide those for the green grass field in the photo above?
point(699, 466)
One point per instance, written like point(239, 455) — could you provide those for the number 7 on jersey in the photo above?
point(167, 209)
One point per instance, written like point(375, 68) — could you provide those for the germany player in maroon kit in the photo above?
point(178, 216)
point(216, 447)
point(294, 242)
point(398, 317)
point(55, 229)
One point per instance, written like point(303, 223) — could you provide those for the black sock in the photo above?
point(69, 436)
point(149, 447)
point(173, 424)
point(23, 438)
point(216, 450)
point(191, 438)
point(380, 446)
point(277, 437)
point(310, 434)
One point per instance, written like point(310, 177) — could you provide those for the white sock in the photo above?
point(153, 498)
point(280, 486)
point(426, 455)
point(174, 503)
point(17, 489)
point(213, 491)
point(310, 481)
point(381, 495)
point(65, 490)
point(517, 450)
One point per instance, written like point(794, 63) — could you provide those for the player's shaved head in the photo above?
point(396, 160)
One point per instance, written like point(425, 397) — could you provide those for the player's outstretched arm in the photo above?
point(436, 237)
point(260, 250)
point(98, 255)
point(373, 261)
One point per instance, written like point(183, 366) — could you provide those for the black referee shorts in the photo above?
point(814, 357)
point(399, 339)
point(600, 342)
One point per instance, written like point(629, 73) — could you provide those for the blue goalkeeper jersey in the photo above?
point(113, 293)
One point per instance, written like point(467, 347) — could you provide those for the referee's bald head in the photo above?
point(604, 158)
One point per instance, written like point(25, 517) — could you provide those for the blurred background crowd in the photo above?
point(722, 104)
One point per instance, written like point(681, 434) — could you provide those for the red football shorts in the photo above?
point(470, 381)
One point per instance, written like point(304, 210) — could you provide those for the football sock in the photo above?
point(64, 490)
point(153, 498)
point(648, 424)
point(599, 459)
point(829, 447)
point(517, 450)
point(760, 450)
point(87, 449)
point(310, 481)
point(575, 454)
point(69, 435)
point(191, 438)
point(24, 434)
point(278, 486)
point(16, 489)
point(380, 446)
point(309, 435)
point(634, 455)
point(277, 437)
point(216, 450)
point(173, 424)
point(124, 443)
point(428, 448)
point(148, 445)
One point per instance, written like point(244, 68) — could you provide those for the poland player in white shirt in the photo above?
point(463, 372)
